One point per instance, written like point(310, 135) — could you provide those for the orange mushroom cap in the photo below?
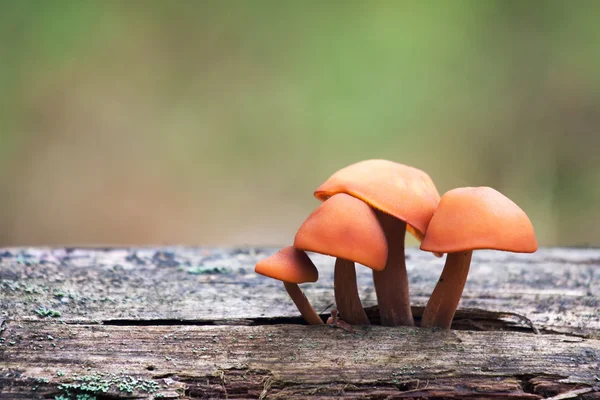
point(288, 265)
point(476, 218)
point(404, 192)
point(345, 227)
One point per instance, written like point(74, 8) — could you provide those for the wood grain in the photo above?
point(191, 323)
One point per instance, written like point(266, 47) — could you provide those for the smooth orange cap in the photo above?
point(288, 265)
point(404, 192)
point(345, 227)
point(473, 218)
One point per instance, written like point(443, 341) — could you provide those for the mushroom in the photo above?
point(404, 199)
point(292, 266)
point(467, 219)
point(346, 228)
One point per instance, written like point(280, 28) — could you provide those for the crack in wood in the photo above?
point(466, 319)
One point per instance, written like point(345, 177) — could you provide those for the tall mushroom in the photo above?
point(405, 199)
point(467, 219)
point(346, 228)
point(292, 266)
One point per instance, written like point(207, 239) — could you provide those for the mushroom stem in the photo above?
point(346, 293)
point(391, 284)
point(443, 302)
point(307, 311)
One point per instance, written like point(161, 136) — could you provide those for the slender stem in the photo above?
point(346, 293)
point(391, 284)
point(307, 311)
point(443, 302)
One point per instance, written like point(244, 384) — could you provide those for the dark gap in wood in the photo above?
point(524, 382)
point(215, 322)
point(466, 320)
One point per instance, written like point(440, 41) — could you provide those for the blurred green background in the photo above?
point(212, 122)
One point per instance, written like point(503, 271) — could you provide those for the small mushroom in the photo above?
point(470, 219)
point(346, 228)
point(292, 266)
point(405, 199)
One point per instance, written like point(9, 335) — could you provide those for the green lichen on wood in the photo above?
point(47, 312)
point(90, 385)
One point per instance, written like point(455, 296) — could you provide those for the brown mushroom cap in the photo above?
point(288, 265)
point(344, 227)
point(475, 218)
point(404, 192)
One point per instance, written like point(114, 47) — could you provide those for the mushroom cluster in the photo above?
point(366, 210)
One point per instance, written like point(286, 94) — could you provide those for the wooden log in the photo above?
point(291, 361)
point(198, 323)
point(554, 288)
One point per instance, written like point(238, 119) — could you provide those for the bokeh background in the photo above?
point(212, 122)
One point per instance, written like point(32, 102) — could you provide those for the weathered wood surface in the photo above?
point(198, 323)
point(555, 288)
point(288, 361)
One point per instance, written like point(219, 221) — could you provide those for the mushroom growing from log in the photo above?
point(346, 228)
point(292, 266)
point(467, 219)
point(405, 199)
